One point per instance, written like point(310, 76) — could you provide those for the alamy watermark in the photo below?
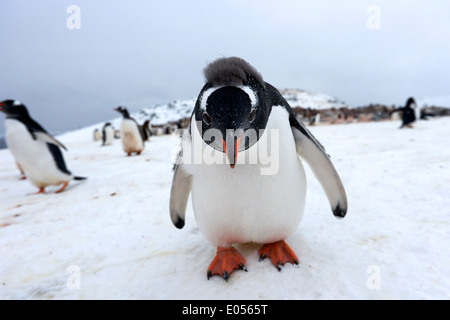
point(238, 147)
point(373, 21)
point(74, 278)
point(73, 21)
point(374, 280)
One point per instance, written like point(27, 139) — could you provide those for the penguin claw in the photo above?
point(225, 276)
point(243, 267)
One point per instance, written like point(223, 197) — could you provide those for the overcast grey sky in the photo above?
point(138, 53)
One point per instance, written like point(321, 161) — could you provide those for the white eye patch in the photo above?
point(250, 93)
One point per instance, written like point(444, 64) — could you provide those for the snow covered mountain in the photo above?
point(312, 100)
point(163, 114)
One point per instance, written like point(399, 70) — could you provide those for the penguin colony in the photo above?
point(234, 200)
point(236, 203)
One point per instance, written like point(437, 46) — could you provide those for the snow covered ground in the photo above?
point(110, 237)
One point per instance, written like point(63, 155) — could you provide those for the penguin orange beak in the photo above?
point(1, 105)
point(236, 149)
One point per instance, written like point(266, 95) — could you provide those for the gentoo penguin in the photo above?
point(237, 119)
point(408, 113)
point(96, 135)
point(107, 134)
point(132, 140)
point(146, 130)
point(34, 148)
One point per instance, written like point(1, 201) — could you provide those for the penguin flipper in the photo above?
point(179, 195)
point(44, 136)
point(319, 161)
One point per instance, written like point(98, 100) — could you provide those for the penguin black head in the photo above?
point(14, 109)
point(123, 111)
point(232, 109)
point(411, 103)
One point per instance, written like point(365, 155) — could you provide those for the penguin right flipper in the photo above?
point(309, 149)
point(38, 132)
point(179, 195)
point(44, 136)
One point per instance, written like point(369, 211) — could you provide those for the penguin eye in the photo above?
point(206, 118)
point(252, 115)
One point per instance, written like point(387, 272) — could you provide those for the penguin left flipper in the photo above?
point(309, 149)
point(179, 195)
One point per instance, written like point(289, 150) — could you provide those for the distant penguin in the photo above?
point(107, 134)
point(146, 130)
point(96, 135)
point(408, 113)
point(132, 140)
point(237, 199)
point(37, 152)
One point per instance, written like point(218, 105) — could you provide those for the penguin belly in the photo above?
point(109, 136)
point(34, 156)
point(131, 136)
point(243, 205)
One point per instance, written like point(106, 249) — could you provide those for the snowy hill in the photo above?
point(180, 109)
point(311, 100)
point(110, 237)
point(165, 113)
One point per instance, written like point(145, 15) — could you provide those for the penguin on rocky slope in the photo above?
point(236, 197)
point(34, 149)
point(131, 133)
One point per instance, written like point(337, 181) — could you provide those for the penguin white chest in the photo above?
point(33, 156)
point(251, 203)
point(109, 136)
point(131, 136)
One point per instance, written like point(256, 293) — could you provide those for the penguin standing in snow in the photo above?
point(131, 133)
point(146, 130)
point(107, 134)
point(408, 113)
point(96, 135)
point(235, 199)
point(37, 152)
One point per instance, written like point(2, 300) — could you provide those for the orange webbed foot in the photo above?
point(41, 191)
point(279, 253)
point(225, 261)
point(65, 184)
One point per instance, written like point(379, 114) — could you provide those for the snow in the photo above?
point(170, 112)
point(110, 237)
point(313, 100)
point(164, 113)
